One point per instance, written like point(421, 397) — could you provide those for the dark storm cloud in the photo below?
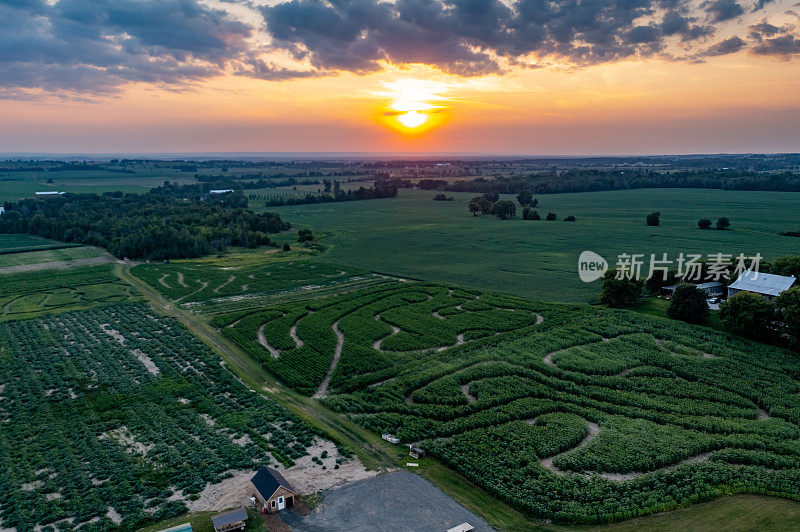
point(97, 46)
point(722, 10)
point(784, 46)
point(728, 46)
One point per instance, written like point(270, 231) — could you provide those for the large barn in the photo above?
point(272, 491)
point(766, 284)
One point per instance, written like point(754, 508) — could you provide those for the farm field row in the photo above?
point(17, 243)
point(34, 293)
point(248, 279)
point(572, 413)
point(54, 257)
point(118, 417)
point(413, 236)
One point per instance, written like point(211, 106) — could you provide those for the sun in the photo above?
point(414, 106)
point(412, 119)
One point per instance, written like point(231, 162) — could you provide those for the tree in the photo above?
point(723, 223)
point(704, 223)
point(526, 212)
point(535, 203)
point(786, 265)
point(286, 246)
point(688, 304)
point(524, 198)
point(569, 219)
point(619, 293)
point(479, 204)
point(534, 216)
point(492, 197)
point(655, 283)
point(551, 216)
point(788, 307)
point(305, 235)
point(654, 219)
point(504, 210)
point(749, 315)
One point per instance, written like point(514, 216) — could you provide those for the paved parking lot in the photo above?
point(397, 501)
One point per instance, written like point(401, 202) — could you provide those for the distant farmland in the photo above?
point(440, 241)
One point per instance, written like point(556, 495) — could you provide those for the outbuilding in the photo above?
point(765, 284)
point(271, 491)
point(229, 521)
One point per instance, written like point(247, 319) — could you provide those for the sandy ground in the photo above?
point(305, 476)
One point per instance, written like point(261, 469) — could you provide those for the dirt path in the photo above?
point(376, 345)
point(263, 341)
point(322, 391)
point(203, 286)
point(229, 281)
point(180, 280)
point(465, 390)
point(298, 343)
point(162, 282)
point(547, 463)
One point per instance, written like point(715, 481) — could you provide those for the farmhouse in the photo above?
point(229, 521)
point(768, 285)
point(272, 491)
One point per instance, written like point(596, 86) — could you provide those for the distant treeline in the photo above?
point(144, 226)
point(379, 190)
point(597, 180)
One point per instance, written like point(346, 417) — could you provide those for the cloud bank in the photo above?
point(98, 46)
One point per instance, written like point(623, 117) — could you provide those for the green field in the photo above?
point(248, 279)
point(35, 293)
point(65, 255)
point(16, 243)
point(572, 413)
point(113, 418)
point(413, 236)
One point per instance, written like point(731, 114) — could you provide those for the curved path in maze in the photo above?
point(322, 391)
point(263, 341)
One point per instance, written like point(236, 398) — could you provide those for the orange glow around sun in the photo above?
point(414, 106)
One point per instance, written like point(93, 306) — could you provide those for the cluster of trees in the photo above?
point(305, 235)
point(723, 223)
point(443, 197)
point(490, 203)
point(580, 180)
point(156, 225)
point(753, 316)
point(653, 219)
point(381, 189)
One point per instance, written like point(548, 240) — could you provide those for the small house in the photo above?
point(229, 521)
point(272, 491)
point(764, 284)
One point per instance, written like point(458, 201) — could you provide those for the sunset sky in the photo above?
point(525, 77)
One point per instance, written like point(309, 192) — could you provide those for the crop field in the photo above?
point(247, 279)
point(572, 413)
point(54, 256)
point(113, 418)
point(439, 241)
point(18, 243)
point(31, 294)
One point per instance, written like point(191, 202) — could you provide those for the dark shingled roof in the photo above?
point(267, 481)
point(234, 516)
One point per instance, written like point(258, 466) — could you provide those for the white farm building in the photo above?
point(766, 284)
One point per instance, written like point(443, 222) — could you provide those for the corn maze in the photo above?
point(572, 413)
point(113, 418)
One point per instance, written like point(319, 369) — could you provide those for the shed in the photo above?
point(272, 491)
point(220, 191)
point(463, 527)
point(48, 193)
point(228, 521)
point(765, 284)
